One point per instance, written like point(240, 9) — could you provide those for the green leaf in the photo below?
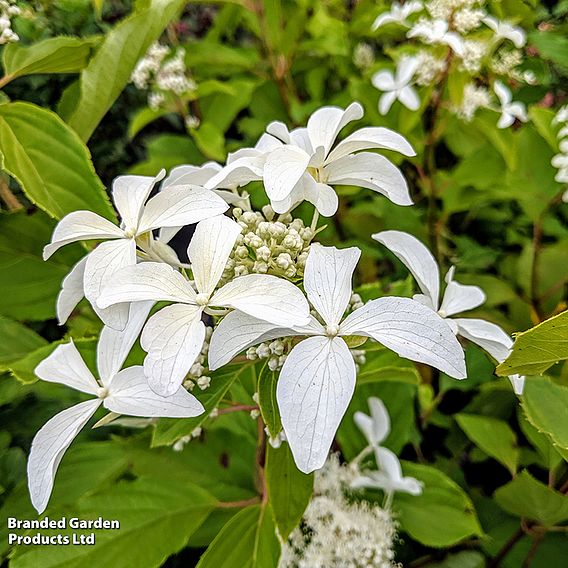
point(494, 437)
point(53, 55)
point(17, 341)
point(542, 120)
point(156, 520)
point(30, 293)
point(463, 559)
point(535, 350)
point(210, 140)
point(110, 69)
point(267, 382)
point(248, 540)
point(545, 404)
point(143, 117)
point(289, 489)
point(384, 365)
point(169, 430)
point(442, 515)
point(540, 441)
point(527, 497)
point(49, 161)
point(553, 46)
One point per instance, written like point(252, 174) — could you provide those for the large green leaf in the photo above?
point(156, 520)
point(17, 341)
point(30, 291)
point(49, 161)
point(289, 489)
point(546, 405)
point(248, 540)
point(542, 442)
point(170, 430)
point(110, 69)
point(537, 349)
point(527, 497)
point(53, 55)
point(442, 515)
point(495, 437)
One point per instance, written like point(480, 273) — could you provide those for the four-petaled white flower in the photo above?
point(397, 14)
point(506, 30)
point(122, 391)
point(303, 164)
point(436, 31)
point(509, 110)
point(317, 380)
point(398, 85)
point(173, 337)
point(389, 478)
point(177, 206)
point(457, 297)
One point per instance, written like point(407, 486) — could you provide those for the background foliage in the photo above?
point(494, 468)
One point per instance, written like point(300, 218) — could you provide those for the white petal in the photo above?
point(370, 138)
point(173, 338)
point(147, 281)
point(237, 173)
point(65, 365)
point(181, 205)
point(372, 171)
point(193, 175)
point(382, 20)
point(518, 382)
point(410, 329)
point(102, 264)
point(390, 467)
point(129, 194)
point(313, 392)
point(386, 101)
point(48, 447)
point(491, 22)
point(518, 37)
point(487, 335)
point(502, 92)
point(80, 226)
point(131, 395)
point(409, 98)
point(405, 70)
point(460, 297)
point(383, 81)
point(321, 195)
point(377, 426)
point(279, 130)
point(114, 346)
point(71, 291)
point(238, 331)
point(417, 258)
point(327, 280)
point(518, 110)
point(325, 123)
point(283, 169)
point(209, 250)
point(505, 120)
point(266, 297)
point(300, 137)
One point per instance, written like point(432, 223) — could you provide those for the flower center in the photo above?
point(442, 313)
point(331, 330)
point(202, 299)
point(102, 392)
point(129, 233)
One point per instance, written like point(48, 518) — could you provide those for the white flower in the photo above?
point(123, 392)
point(436, 31)
point(304, 163)
point(318, 377)
point(505, 30)
point(179, 205)
point(457, 297)
point(509, 110)
point(173, 337)
point(376, 428)
point(397, 14)
point(397, 86)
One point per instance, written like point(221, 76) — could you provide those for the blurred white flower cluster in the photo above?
point(560, 161)
point(454, 37)
point(8, 10)
point(163, 72)
point(339, 531)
